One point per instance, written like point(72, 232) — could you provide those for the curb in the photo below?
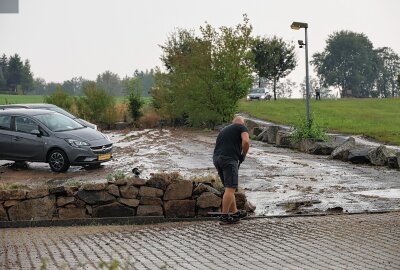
point(159, 219)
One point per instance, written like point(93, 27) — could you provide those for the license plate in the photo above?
point(104, 157)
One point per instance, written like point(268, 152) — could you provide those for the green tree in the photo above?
point(274, 58)
point(14, 72)
point(3, 71)
point(388, 71)
point(348, 62)
point(60, 98)
point(26, 77)
point(134, 89)
point(74, 86)
point(207, 74)
point(39, 86)
point(315, 84)
point(110, 82)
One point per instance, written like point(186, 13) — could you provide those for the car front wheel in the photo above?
point(58, 161)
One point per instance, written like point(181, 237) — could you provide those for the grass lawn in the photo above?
point(375, 118)
point(10, 99)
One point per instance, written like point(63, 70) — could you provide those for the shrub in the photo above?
point(149, 119)
point(60, 98)
point(308, 130)
point(133, 88)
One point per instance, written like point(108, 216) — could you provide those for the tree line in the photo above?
point(15, 74)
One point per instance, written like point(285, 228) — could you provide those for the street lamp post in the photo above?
point(297, 26)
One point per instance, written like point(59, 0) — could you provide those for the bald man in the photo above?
point(230, 150)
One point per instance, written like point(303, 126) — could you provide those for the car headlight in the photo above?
point(262, 96)
point(248, 97)
point(76, 143)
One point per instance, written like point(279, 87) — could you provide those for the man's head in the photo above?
point(238, 120)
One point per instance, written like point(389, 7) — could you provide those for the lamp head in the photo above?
point(298, 25)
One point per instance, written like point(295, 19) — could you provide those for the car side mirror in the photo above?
point(36, 132)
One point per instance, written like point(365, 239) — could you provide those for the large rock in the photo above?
point(256, 131)
point(158, 181)
point(179, 191)
point(283, 139)
point(342, 151)
point(12, 194)
point(201, 188)
point(359, 155)
point(95, 197)
point(249, 207)
point(34, 209)
point(151, 201)
point(180, 208)
point(150, 210)
point(240, 200)
point(150, 192)
point(3, 214)
point(262, 136)
point(93, 186)
point(129, 192)
point(251, 125)
point(316, 147)
point(10, 203)
point(61, 201)
point(307, 144)
point(379, 156)
point(129, 202)
point(113, 210)
point(113, 190)
point(59, 190)
point(271, 133)
point(37, 193)
point(208, 199)
point(137, 182)
point(72, 213)
point(393, 162)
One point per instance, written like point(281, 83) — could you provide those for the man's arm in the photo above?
point(245, 143)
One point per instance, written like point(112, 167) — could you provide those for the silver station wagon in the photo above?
point(46, 136)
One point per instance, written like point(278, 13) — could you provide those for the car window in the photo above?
point(5, 122)
point(25, 124)
point(58, 122)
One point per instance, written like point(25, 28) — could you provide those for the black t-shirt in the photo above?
point(229, 141)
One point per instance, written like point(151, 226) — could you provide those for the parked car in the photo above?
point(46, 136)
point(50, 107)
point(259, 94)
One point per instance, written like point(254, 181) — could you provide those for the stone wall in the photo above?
point(159, 196)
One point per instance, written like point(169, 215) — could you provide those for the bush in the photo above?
point(60, 98)
point(133, 88)
point(149, 119)
point(304, 130)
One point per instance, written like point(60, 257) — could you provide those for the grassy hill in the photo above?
point(375, 118)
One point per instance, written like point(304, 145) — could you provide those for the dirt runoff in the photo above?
point(278, 181)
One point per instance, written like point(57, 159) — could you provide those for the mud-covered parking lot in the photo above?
point(277, 180)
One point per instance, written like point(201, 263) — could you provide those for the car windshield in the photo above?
point(258, 91)
point(58, 122)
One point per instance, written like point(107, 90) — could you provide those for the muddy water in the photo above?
point(277, 180)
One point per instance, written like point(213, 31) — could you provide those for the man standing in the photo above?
point(230, 151)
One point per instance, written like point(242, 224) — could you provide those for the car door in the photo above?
point(27, 146)
point(5, 136)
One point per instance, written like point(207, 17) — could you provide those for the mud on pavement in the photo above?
point(277, 180)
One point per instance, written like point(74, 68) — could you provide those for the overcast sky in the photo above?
point(68, 38)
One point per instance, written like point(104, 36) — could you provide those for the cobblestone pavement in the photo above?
point(365, 241)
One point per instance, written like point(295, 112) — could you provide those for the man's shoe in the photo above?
point(228, 220)
point(240, 214)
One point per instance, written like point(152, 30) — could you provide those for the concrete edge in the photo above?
point(158, 219)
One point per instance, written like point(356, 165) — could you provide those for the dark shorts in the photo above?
point(228, 170)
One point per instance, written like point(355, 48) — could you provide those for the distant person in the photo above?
point(230, 151)
point(317, 94)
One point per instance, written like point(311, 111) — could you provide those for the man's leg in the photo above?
point(229, 201)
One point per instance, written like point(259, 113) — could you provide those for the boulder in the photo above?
point(10, 203)
point(93, 186)
point(256, 131)
point(113, 190)
point(150, 192)
point(71, 191)
point(150, 210)
point(72, 213)
point(95, 197)
point(262, 136)
point(113, 210)
point(251, 125)
point(157, 181)
point(61, 201)
point(249, 207)
point(34, 209)
point(119, 182)
point(179, 191)
point(129, 192)
point(137, 182)
point(271, 134)
point(379, 156)
point(180, 208)
point(12, 194)
point(3, 214)
point(37, 193)
point(393, 162)
point(240, 200)
point(208, 199)
point(60, 190)
point(201, 188)
point(306, 145)
point(151, 201)
point(342, 151)
point(283, 139)
point(129, 202)
point(359, 155)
